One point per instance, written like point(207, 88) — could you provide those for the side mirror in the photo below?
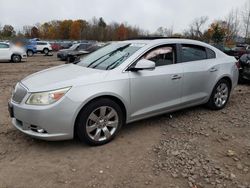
point(143, 64)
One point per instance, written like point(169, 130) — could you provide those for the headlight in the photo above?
point(48, 97)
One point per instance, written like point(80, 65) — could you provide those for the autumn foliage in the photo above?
point(96, 29)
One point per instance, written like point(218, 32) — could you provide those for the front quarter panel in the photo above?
point(118, 88)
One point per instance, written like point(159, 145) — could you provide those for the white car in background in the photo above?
point(43, 47)
point(9, 52)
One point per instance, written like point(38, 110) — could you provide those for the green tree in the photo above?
point(218, 33)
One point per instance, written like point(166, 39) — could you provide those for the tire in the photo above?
point(220, 95)
point(46, 51)
point(92, 123)
point(16, 58)
point(30, 53)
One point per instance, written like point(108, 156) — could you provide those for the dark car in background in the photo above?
point(224, 49)
point(75, 48)
point(76, 55)
point(238, 51)
point(65, 45)
point(244, 67)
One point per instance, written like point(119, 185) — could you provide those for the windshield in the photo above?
point(73, 47)
point(110, 56)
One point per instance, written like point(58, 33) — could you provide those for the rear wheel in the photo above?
point(220, 95)
point(99, 122)
point(16, 58)
point(46, 51)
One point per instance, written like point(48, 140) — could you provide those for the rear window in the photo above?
point(193, 53)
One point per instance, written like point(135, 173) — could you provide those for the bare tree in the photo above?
point(195, 28)
point(165, 32)
point(232, 24)
point(246, 18)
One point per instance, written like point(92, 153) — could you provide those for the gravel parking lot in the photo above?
point(193, 148)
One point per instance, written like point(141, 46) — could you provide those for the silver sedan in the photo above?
point(121, 83)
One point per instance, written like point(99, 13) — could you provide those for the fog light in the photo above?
point(39, 130)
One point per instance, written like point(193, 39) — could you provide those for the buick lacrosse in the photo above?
point(121, 83)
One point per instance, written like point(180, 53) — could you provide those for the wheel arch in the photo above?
point(15, 54)
point(106, 96)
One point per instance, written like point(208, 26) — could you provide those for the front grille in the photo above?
point(19, 93)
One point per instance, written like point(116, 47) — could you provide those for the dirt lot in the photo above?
point(191, 148)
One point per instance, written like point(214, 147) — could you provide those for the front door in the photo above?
point(159, 90)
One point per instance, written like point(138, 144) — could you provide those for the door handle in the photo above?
point(176, 77)
point(213, 69)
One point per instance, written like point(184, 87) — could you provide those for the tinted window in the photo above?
point(210, 54)
point(193, 53)
point(2, 45)
point(83, 46)
point(41, 43)
point(164, 55)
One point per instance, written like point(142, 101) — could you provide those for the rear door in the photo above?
point(159, 90)
point(199, 69)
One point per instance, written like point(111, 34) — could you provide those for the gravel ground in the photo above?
point(193, 148)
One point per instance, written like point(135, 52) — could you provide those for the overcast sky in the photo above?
point(147, 14)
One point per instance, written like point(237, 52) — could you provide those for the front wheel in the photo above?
point(16, 58)
point(220, 95)
point(99, 122)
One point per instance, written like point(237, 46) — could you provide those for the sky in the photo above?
point(146, 14)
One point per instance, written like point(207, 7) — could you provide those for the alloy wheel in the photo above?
point(221, 95)
point(102, 123)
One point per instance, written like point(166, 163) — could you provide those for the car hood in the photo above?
point(63, 76)
point(65, 51)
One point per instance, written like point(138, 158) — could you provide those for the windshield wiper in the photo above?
point(114, 64)
point(109, 54)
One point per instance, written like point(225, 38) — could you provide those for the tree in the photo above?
point(75, 30)
point(195, 28)
point(232, 25)
point(65, 26)
point(165, 32)
point(8, 31)
point(34, 32)
point(246, 18)
point(218, 33)
point(122, 32)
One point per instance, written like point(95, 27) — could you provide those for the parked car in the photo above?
point(13, 53)
point(245, 67)
point(238, 51)
point(224, 49)
point(79, 47)
point(55, 46)
point(77, 55)
point(121, 83)
point(29, 45)
point(66, 45)
point(43, 47)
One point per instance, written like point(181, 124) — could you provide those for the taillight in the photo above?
point(238, 64)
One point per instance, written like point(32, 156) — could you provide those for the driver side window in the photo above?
point(162, 55)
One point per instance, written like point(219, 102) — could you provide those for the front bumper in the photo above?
point(61, 56)
point(57, 120)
